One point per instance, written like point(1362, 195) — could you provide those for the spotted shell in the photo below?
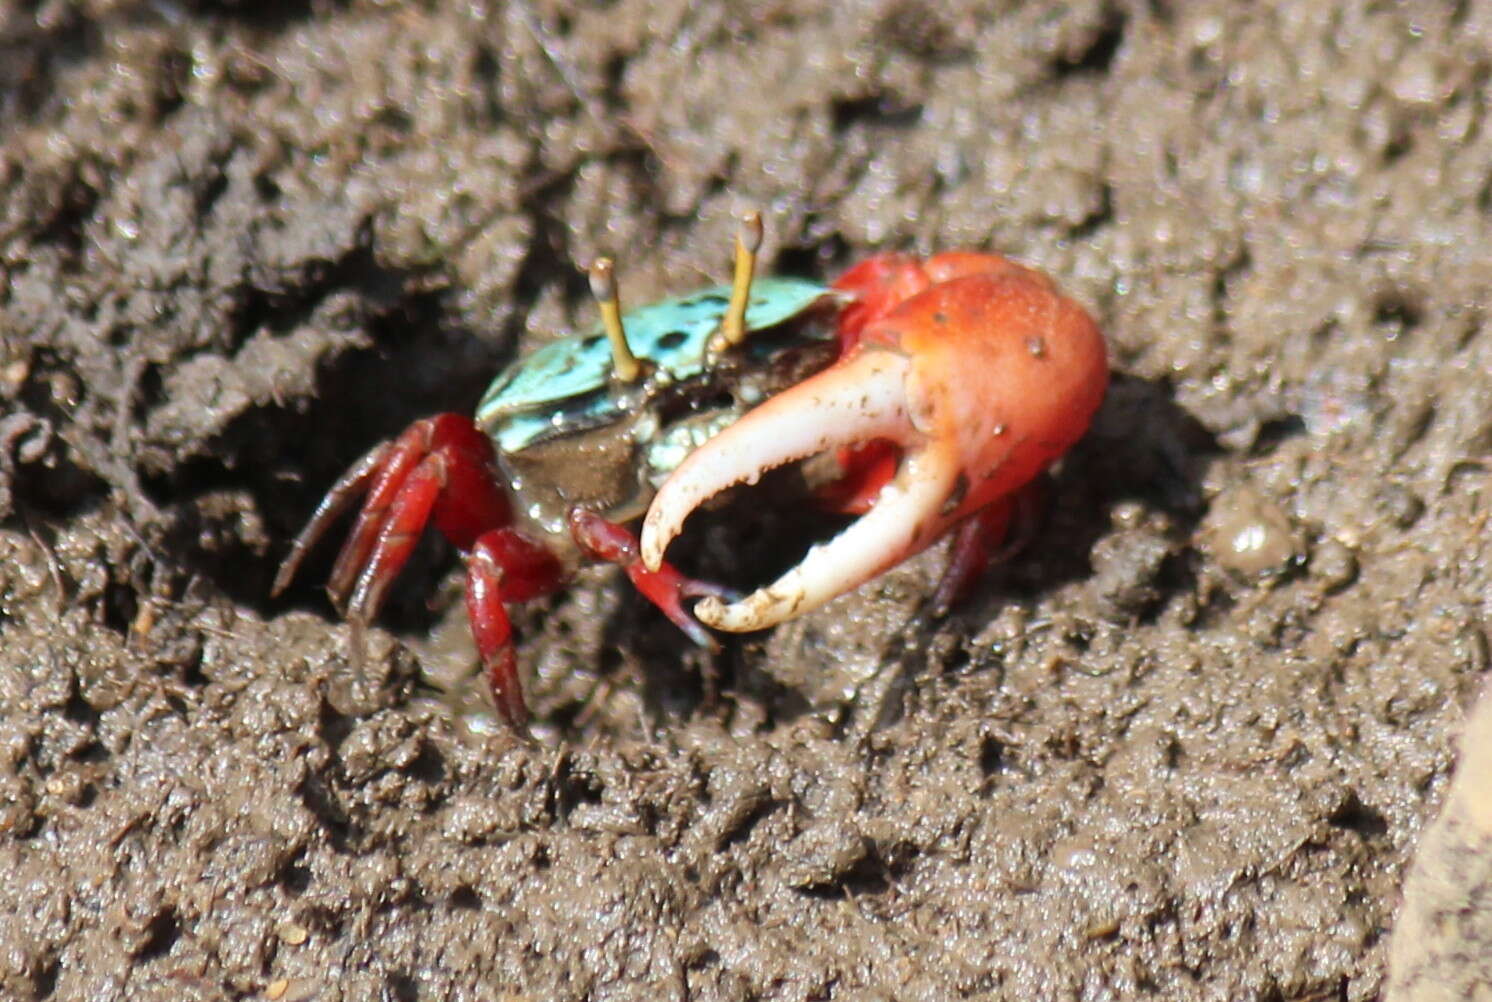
point(567, 385)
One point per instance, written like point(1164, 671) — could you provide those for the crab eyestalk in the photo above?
point(603, 287)
point(748, 242)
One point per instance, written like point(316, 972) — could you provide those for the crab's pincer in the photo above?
point(976, 371)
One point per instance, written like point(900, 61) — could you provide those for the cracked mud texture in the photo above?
point(1183, 748)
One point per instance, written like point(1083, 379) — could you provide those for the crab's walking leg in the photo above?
point(402, 525)
point(471, 504)
point(990, 536)
point(504, 566)
point(665, 587)
point(401, 457)
point(440, 468)
point(347, 489)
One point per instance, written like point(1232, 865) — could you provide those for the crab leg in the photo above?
point(351, 485)
point(400, 458)
point(982, 380)
point(448, 484)
point(399, 531)
point(439, 470)
point(664, 586)
point(470, 506)
point(991, 536)
point(504, 566)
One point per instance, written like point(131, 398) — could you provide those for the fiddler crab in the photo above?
point(937, 390)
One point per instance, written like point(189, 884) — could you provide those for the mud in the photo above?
point(1184, 747)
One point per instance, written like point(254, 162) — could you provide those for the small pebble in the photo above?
point(1251, 536)
point(1334, 565)
point(1127, 569)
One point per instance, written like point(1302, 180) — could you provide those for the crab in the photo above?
point(935, 391)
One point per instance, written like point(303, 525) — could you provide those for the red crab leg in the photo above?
point(474, 504)
point(441, 465)
point(665, 587)
point(441, 469)
point(992, 536)
point(400, 458)
point(453, 484)
point(347, 489)
point(504, 566)
point(403, 522)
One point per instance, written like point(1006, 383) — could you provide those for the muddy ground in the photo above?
point(1184, 748)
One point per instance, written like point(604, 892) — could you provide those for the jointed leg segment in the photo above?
point(443, 469)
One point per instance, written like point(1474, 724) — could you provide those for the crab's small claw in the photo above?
point(981, 380)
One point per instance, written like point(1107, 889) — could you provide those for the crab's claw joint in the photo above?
point(981, 380)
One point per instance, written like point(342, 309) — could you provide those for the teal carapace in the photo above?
point(563, 386)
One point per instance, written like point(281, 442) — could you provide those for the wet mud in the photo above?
point(1184, 747)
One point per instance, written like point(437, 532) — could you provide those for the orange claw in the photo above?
point(977, 368)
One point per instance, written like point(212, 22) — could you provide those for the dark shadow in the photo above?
point(1096, 54)
point(1144, 447)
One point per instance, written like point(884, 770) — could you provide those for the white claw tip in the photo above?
point(709, 610)
point(757, 611)
point(651, 545)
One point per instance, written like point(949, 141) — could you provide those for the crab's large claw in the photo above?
point(981, 380)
